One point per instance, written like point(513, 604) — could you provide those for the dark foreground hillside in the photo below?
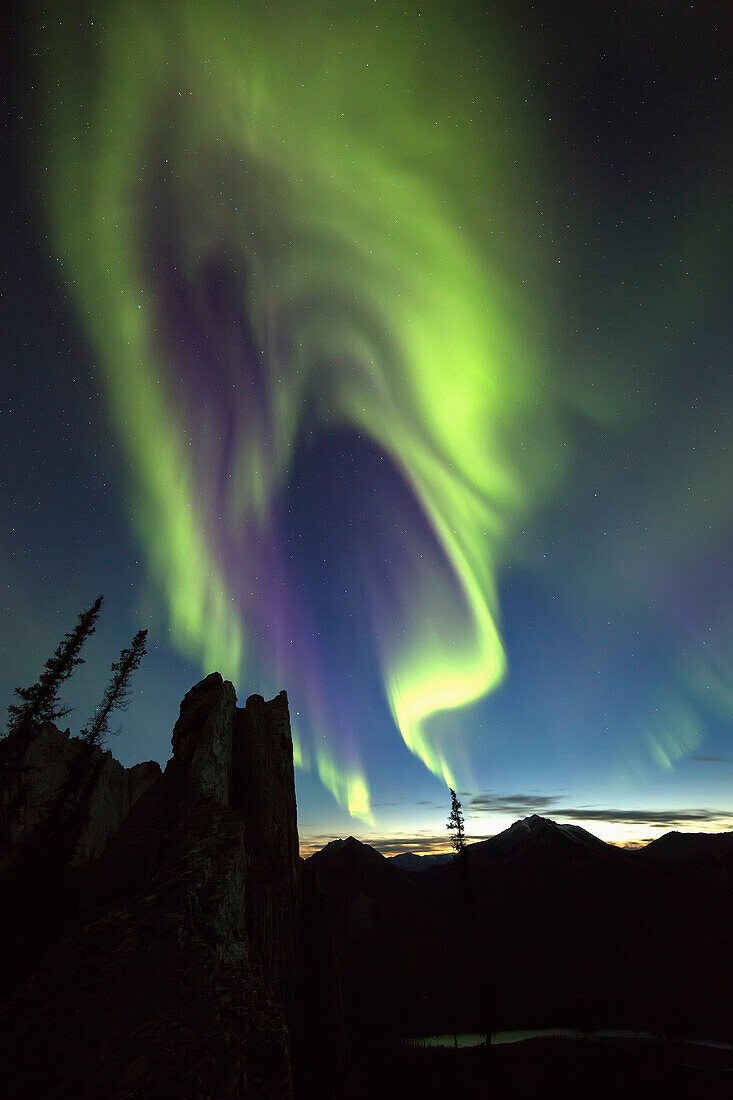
point(541, 927)
point(549, 1068)
point(161, 938)
point(538, 929)
point(150, 921)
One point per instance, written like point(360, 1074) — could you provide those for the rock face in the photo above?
point(48, 776)
point(263, 747)
point(154, 918)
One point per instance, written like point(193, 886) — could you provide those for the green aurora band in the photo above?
point(363, 163)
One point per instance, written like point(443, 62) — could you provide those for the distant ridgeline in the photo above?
point(542, 926)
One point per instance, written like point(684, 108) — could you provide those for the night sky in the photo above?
point(381, 352)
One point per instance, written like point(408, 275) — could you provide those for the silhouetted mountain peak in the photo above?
point(676, 847)
point(411, 861)
point(348, 853)
point(532, 824)
point(540, 835)
point(350, 842)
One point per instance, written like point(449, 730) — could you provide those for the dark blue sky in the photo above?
point(614, 596)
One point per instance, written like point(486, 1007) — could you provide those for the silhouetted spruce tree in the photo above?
point(117, 695)
point(454, 824)
point(41, 700)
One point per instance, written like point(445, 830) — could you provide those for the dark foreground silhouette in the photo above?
point(150, 920)
point(537, 927)
point(161, 938)
point(549, 1068)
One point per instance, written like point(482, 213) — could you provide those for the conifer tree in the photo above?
point(117, 695)
point(455, 826)
point(40, 702)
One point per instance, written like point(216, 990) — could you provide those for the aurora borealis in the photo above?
point(409, 332)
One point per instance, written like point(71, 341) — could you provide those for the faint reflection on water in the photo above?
point(498, 1038)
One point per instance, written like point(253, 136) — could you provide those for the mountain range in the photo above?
point(542, 925)
point(541, 837)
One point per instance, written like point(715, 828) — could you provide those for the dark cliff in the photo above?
point(152, 921)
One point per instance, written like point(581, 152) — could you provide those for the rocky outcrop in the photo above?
point(173, 909)
point(49, 778)
point(263, 748)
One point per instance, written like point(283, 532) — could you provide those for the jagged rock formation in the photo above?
point(153, 918)
point(46, 776)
